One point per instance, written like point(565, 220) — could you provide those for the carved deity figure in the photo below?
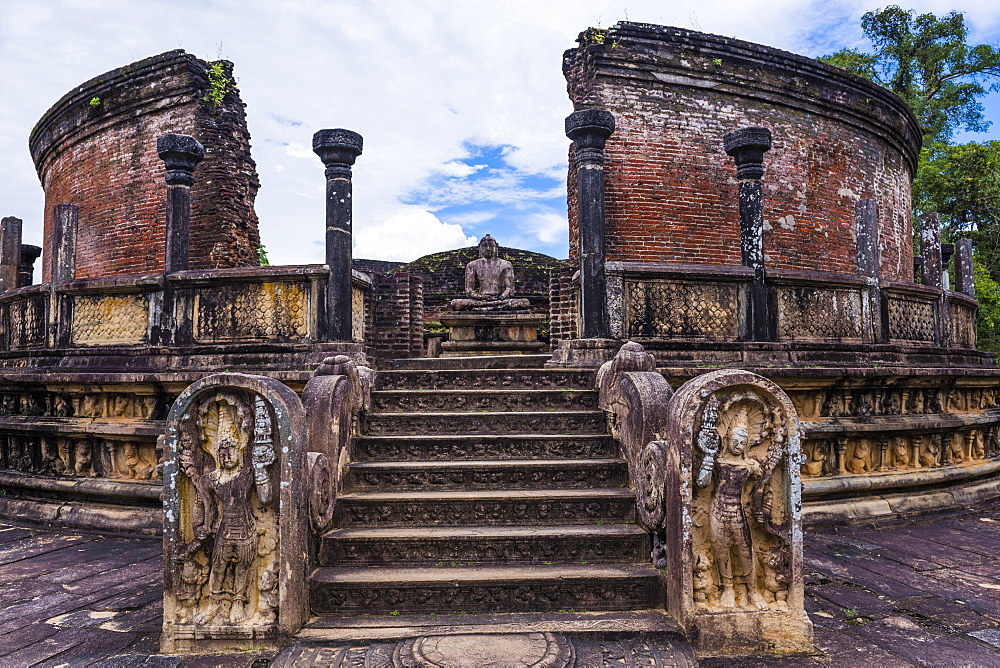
point(817, 460)
point(729, 532)
point(135, 466)
point(84, 464)
point(235, 530)
point(489, 282)
point(900, 453)
point(861, 460)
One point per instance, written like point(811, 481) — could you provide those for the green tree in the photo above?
point(927, 62)
point(962, 183)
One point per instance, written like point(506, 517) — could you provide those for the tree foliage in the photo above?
point(927, 62)
point(962, 183)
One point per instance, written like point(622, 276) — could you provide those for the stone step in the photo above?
point(486, 508)
point(437, 401)
point(648, 622)
point(484, 447)
point(477, 475)
point(485, 379)
point(453, 546)
point(485, 589)
point(477, 362)
point(442, 424)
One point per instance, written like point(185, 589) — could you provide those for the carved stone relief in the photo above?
point(103, 320)
point(233, 519)
point(895, 452)
point(733, 513)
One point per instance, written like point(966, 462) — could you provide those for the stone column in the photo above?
point(180, 154)
point(338, 150)
point(964, 281)
point(29, 253)
point(747, 147)
point(10, 253)
point(589, 129)
point(930, 249)
point(869, 260)
point(947, 251)
point(62, 260)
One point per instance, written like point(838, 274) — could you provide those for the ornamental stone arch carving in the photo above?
point(235, 515)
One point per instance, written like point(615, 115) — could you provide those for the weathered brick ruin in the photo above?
point(740, 348)
point(96, 149)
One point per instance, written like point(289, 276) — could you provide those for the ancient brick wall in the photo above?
point(96, 148)
point(564, 305)
point(671, 189)
point(399, 317)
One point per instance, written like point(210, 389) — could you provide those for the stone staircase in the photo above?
point(484, 490)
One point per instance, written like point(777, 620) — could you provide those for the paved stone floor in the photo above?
point(924, 593)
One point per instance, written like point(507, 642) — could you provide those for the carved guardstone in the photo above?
point(489, 319)
point(235, 515)
point(733, 515)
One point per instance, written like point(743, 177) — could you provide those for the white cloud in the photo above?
point(547, 228)
point(407, 233)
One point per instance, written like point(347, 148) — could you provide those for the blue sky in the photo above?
point(460, 102)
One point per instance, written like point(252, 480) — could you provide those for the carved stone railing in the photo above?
point(334, 398)
point(823, 308)
point(251, 304)
point(24, 318)
point(913, 314)
point(223, 306)
point(715, 467)
point(708, 304)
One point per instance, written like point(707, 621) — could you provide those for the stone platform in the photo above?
point(492, 333)
point(912, 594)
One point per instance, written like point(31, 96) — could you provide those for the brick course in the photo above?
point(102, 157)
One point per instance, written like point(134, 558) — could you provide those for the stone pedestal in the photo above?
point(495, 333)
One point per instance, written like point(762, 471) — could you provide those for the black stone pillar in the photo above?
point(29, 254)
point(62, 260)
point(172, 322)
point(947, 251)
point(338, 149)
point(180, 155)
point(10, 253)
point(589, 129)
point(747, 147)
point(930, 249)
point(964, 281)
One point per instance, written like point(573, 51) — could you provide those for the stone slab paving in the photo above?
point(921, 593)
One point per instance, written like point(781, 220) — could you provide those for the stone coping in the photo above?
point(94, 487)
point(817, 487)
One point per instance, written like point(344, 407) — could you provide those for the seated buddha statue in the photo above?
point(489, 282)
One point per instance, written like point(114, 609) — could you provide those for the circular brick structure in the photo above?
point(96, 148)
point(671, 188)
